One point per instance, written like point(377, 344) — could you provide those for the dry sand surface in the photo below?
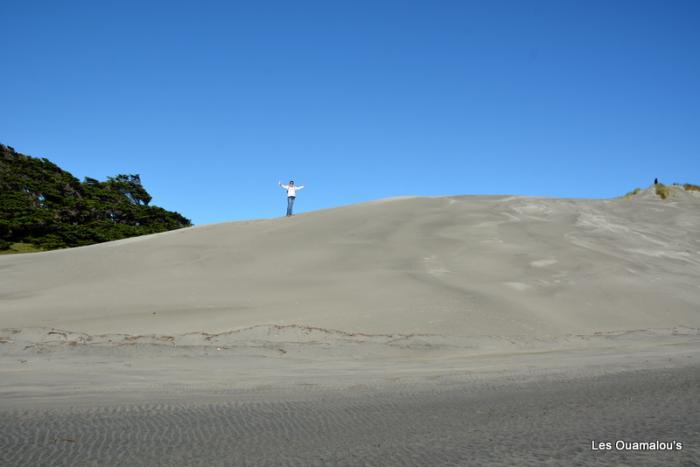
point(543, 422)
point(408, 331)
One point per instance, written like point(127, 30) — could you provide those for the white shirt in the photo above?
point(291, 189)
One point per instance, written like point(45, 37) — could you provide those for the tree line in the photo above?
point(44, 205)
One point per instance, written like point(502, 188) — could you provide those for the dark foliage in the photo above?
point(44, 205)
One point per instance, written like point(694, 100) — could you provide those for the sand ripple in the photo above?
point(535, 423)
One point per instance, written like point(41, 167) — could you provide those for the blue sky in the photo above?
point(214, 102)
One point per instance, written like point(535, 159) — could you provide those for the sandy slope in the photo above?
point(411, 331)
point(457, 266)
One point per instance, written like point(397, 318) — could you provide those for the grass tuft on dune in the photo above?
point(662, 190)
point(20, 247)
point(633, 193)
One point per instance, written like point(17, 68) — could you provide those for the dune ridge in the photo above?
point(461, 266)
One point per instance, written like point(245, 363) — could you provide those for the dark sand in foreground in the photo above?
point(496, 423)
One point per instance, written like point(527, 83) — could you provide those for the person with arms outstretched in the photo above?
point(291, 194)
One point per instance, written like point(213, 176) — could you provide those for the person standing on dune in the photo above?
point(291, 194)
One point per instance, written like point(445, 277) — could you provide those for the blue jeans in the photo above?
point(290, 205)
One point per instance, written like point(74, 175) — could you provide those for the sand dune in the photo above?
point(407, 331)
point(457, 266)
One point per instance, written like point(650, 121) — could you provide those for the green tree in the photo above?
point(42, 204)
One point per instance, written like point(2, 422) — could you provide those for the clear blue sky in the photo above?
point(214, 102)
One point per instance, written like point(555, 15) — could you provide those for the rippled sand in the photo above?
point(413, 331)
point(545, 422)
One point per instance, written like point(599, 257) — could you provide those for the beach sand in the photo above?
point(542, 422)
point(463, 330)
